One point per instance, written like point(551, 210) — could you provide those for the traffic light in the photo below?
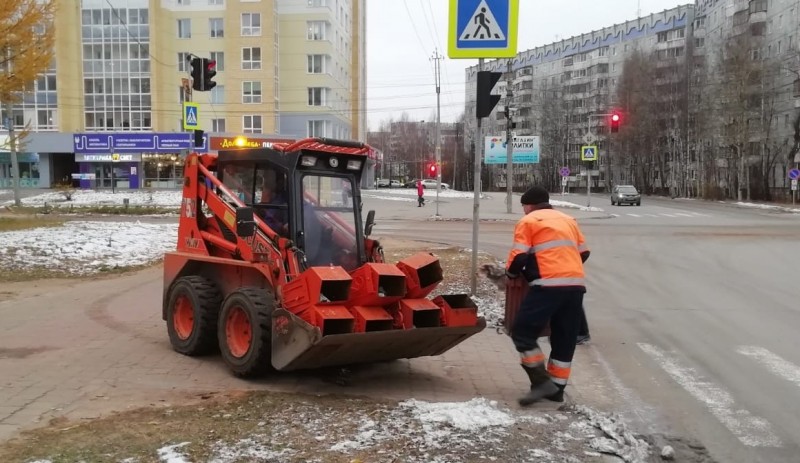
point(615, 117)
point(432, 169)
point(203, 72)
point(486, 101)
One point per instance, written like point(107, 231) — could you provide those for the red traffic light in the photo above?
point(432, 170)
point(615, 117)
point(211, 65)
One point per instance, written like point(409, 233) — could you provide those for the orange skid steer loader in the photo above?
point(274, 269)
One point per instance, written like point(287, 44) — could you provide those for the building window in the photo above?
point(216, 2)
point(251, 92)
point(215, 27)
point(317, 128)
point(184, 28)
point(662, 37)
point(217, 125)
point(218, 94)
point(251, 58)
point(251, 124)
point(317, 30)
point(183, 62)
point(316, 64)
point(316, 96)
point(251, 24)
point(317, 3)
point(699, 42)
point(219, 57)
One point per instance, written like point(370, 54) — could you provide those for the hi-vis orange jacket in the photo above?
point(549, 249)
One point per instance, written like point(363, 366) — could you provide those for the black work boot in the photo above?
point(541, 386)
point(558, 396)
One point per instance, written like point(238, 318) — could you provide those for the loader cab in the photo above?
point(309, 197)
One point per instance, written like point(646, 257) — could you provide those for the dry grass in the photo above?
point(25, 222)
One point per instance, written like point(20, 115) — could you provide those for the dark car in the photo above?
point(625, 194)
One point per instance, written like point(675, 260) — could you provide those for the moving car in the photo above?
point(426, 183)
point(625, 194)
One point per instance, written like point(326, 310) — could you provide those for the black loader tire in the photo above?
point(205, 300)
point(257, 304)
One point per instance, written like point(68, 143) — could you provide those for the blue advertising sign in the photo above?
point(526, 150)
point(135, 142)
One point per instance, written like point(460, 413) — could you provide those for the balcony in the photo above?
point(758, 17)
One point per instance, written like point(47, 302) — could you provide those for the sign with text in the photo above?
point(526, 150)
point(108, 157)
point(233, 143)
point(135, 142)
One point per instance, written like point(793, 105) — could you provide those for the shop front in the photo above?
point(112, 171)
point(28, 170)
point(132, 160)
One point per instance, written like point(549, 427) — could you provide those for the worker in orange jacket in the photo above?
point(549, 251)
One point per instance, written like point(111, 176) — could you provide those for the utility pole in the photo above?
point(12, 142)
point(438, 77)
point(509, 139)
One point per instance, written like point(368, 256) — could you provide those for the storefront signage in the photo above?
point(113, 157)
point(232, 143)
point(133, 142)
point(84, 176)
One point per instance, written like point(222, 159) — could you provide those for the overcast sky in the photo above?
point(403, 34)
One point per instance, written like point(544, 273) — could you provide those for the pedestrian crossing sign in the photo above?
point(190, 116)
point(483, 29)
point(589, 153)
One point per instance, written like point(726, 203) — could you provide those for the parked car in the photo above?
point(386, 183)
point(426, 183)
point(625, 194)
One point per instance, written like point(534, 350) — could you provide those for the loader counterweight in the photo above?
point(274, 240)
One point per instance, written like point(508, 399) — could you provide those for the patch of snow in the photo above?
point(369, 433)
point(473, 415)
point(168, 454)
point(87, 198)
point(771, 207)
point(618, 440)
point(569, 205)
point(129, 460)
point(41, 461)
point(248, 449)
point(390, 198)
point(87, 247)
point(430, 193)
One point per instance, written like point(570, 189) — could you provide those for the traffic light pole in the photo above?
point(438, 77)
point(476, 202)
point(509, 141)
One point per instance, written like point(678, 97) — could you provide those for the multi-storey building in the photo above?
point(120, 67)
point(723, 94)
point(567, 89)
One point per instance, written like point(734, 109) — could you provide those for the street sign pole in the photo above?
point(509, 141)
point(476, 203)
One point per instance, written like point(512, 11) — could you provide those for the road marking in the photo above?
point(775, 363)
point(652, 215)
point(614, 215)
point(634, 215)
point(683, 215)
point(701, 214)
point(751, 430)
point(667, 215)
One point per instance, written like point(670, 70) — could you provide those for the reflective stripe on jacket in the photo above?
point(547, 249)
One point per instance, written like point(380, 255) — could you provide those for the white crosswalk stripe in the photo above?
point(773, 362)
point(661, 215)
point(751, 430)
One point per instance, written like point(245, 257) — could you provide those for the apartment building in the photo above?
point(110, 107)
point(571, 83)
point(322, 68)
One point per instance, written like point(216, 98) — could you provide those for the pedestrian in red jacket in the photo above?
point(420, 193)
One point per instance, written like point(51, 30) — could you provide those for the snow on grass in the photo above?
point(771, 207)
point(473, 415)
point(87, 247)
point(169, 453)
point(88, 198)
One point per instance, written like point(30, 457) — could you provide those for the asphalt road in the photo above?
point(694, 315)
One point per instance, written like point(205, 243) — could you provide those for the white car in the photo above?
point(429, 183)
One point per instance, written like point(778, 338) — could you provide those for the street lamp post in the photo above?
point(12, 141)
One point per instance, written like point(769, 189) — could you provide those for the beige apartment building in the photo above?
point(110, 108)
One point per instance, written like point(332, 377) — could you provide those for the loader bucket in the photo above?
point(298, 345)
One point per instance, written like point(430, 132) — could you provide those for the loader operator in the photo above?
point(274, 197)
point(549, 251)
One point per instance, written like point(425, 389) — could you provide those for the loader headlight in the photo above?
point(353, 165)
point(308, 161)
point(333, 162)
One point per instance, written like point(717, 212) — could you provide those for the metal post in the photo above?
point(589, 183)
point(12, 145)
point(509, 140)
point(437, 71)
point(476, 202)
